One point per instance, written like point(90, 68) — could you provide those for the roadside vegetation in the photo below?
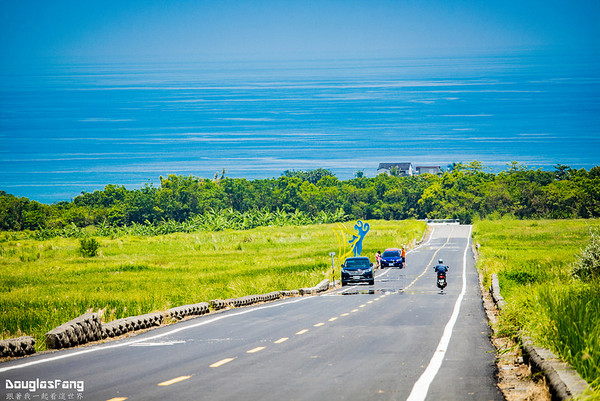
point(465, 191)
point(46, 282)
point(549, 273)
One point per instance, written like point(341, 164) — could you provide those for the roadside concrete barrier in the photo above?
point(180, 312)
point(15, 347)
point(218, 304)
point(564, 381)
point(322, 286)
point(80, 330)
point(495, 292)
point(125, 325)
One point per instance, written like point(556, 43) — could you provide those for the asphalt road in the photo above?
point(396, 340)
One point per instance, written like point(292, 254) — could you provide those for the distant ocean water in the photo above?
point(72, 128)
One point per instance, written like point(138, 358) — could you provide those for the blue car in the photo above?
point(357, 270)
point(392, 258)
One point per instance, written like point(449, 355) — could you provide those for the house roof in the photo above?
point(400, 166)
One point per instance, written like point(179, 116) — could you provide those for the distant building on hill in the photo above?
point(406, 169)
point(428, 169)
point(403, 169)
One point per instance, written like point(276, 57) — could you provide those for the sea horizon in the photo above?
point(79, 127)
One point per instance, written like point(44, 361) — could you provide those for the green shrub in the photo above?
point(88, 247)
point(587, 265)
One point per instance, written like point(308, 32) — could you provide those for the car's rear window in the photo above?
point(391, 254)
point(356, 263)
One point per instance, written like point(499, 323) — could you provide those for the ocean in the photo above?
point(65, 129)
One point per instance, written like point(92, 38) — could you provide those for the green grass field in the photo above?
point(534, 260)
point(45, 283)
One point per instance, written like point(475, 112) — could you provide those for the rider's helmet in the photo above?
point(441, 262)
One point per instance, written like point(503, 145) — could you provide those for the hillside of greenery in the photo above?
point(466, 191)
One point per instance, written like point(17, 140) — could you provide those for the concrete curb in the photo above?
point(15, 347)
point(219, 304)
point(180, 312)
point(322, 286)
point(80, 330)
point(132, 323)
point(564, 381)
point(495, 292)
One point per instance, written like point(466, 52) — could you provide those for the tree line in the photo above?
point(466, 191)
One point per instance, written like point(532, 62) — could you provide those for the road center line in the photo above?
point(281, 340)
point(318, 324)
point(421, 387)
point(254, 350)
point(301, 332)
point(175, 380)
point(333, 319)
point(430, 262)
point(221, 362)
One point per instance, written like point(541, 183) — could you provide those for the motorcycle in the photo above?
point(441, 280)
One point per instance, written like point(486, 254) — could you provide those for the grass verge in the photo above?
point(45, 283)
point(534, 260)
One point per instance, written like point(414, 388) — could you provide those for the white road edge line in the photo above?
point(421, 387)
point(95, 348)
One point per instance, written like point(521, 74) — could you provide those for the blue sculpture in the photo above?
point(357, 241)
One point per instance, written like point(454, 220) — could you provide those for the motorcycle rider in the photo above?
point(440, 270)
point(440, 267)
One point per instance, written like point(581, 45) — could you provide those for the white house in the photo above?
point(428, 169)
point(404, 169)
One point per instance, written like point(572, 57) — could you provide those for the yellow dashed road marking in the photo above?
point(429, 264)
point(354, 310)
point(118, 399)
point(333, 319)
point(283, 339)
point(344, 314)
point(253, 350)
point(221, 362)
point(301, 332)
point(175, 380)
point(319, 324)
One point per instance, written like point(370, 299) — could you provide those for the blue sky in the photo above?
point(134, 30)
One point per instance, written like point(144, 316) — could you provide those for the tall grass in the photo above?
point(534, 262)
point(572, 313)
point(45, 283)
